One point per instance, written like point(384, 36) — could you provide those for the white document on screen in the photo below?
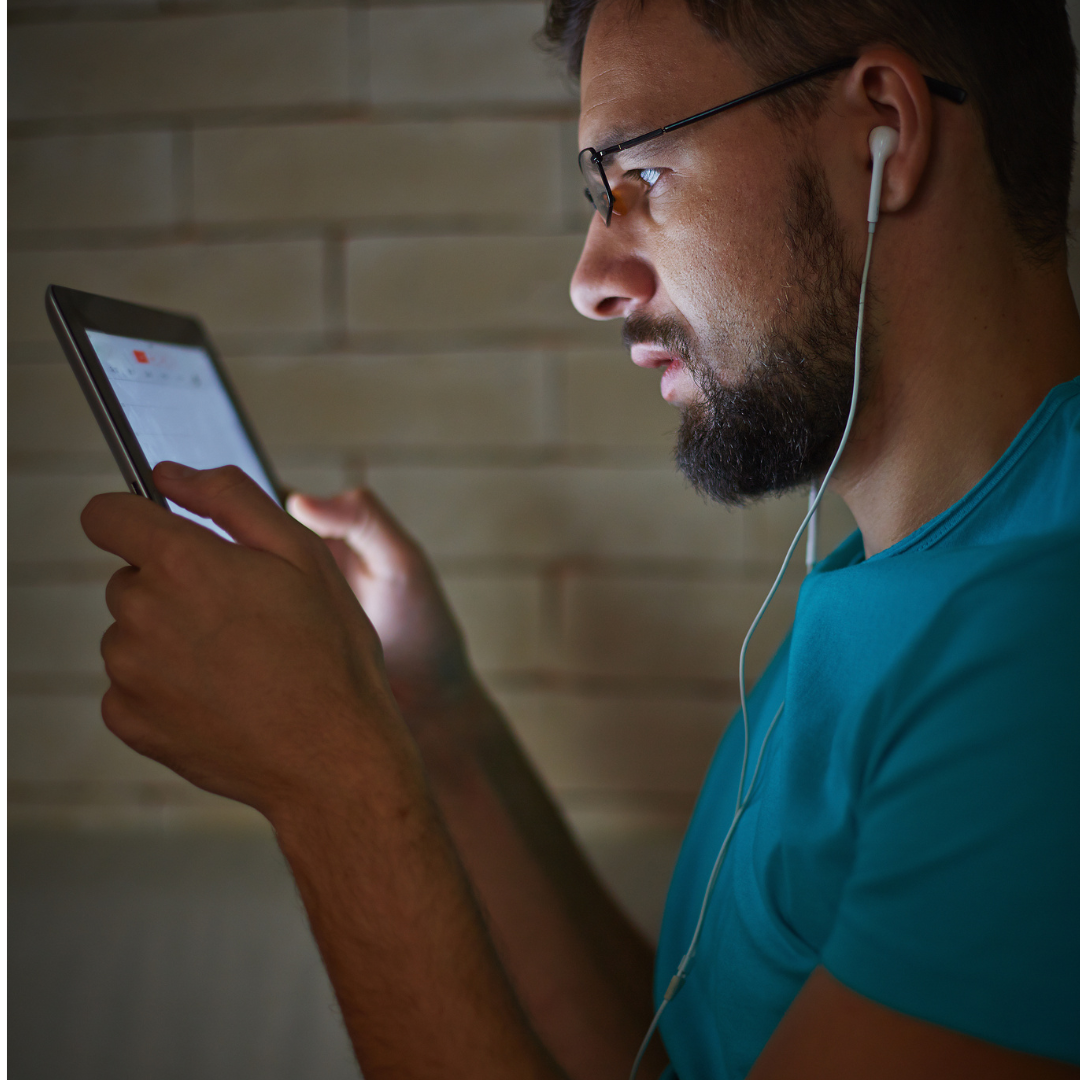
point(177, 406)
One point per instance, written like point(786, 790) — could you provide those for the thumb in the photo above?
point(361, 520)
point(231, 499)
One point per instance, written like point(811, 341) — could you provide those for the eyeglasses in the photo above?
point(591, 161)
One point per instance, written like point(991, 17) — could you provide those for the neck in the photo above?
point(964, 354)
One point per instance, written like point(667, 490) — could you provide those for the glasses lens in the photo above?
point(596, 185)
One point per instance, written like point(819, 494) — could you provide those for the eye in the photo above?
point(647, 176)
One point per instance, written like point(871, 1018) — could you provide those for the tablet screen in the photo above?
point(178, 407)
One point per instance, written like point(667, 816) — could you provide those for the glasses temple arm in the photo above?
point(942, 89)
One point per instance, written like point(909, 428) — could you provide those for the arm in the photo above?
point(832, 1033)
point(250, 669)
point(580, 968)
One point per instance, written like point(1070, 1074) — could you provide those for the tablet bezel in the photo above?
point(73, 312)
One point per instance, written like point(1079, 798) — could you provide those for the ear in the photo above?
point(886, 87)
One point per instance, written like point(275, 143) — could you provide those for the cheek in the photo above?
point(725, 262)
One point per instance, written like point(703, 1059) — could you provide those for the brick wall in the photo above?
point(376, 211)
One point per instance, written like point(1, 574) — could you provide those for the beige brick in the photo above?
point(91, 181)
point(39, 5)
point(501, 618)
point(315, 478)
point(235, 288)
point(671, 628)
point(56, 628)
point(44, 509)
point(609, 402)
point(47, 412)
point(350, 401)
point(635, 855)
point(772, 523)
point(558, 511)
point(463, 283)
point(456, 53)
point(630, 745)
point(577, 209)
point(835, 523)
point(57, 740)
point(356, 170)
point(43, 516)
point(261, 58)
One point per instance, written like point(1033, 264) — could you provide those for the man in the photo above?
point(900, 898)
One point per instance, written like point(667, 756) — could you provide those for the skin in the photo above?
point(970, 333)
point(325, 683)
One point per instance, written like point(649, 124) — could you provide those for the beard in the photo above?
point(780, 424)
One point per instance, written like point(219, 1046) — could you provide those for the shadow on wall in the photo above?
point(154, 955)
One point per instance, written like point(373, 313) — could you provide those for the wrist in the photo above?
point(452, 731)
point(368, 773)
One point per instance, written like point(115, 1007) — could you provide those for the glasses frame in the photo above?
point(594, 163)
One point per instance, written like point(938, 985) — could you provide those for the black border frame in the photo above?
point(72, 313)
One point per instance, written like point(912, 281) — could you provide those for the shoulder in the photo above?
point(996, 613)
point(967, 810)
point(989, 680)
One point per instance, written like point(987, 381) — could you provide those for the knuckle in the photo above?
point(112, 710)
point(368, 505)
point(225, 478)
point(120, 663)
point(120, 719)
point(135, 608)
point(176, 556)
point(117, 588)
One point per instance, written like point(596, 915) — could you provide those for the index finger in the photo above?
point(229, 498)
point(134, 527)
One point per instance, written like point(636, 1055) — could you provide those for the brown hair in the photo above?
point(1014, 57)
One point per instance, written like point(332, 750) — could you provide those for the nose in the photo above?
point(611, 280)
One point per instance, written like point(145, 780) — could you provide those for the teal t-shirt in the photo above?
point(916, 828)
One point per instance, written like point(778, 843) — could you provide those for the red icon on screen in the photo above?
point(141, 357)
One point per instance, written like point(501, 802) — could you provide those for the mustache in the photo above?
point(666, 331)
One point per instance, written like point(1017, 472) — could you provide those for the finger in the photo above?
point(123, 717)
point(231, 499)
point(348, 562)
point(135, 528)
point(118, 586)
point(360, 519)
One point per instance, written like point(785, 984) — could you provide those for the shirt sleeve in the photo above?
point(963, 905)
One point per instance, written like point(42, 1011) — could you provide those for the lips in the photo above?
point(652, 356)
point(676, 384)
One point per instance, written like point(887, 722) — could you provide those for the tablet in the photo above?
point(158, 390)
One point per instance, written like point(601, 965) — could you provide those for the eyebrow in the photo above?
point(614, 136)
point(619, 135)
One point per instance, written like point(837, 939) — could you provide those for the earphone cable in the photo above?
point(812, 510)
point(680, 976)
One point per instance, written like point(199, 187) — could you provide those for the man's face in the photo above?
point(728, 260)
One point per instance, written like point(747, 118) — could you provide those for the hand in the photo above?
point(422, 644)
point(248, 668)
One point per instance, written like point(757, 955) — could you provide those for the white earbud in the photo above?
point(883, 144)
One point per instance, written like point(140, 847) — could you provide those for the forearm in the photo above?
point(581, 969)
point(421, 989)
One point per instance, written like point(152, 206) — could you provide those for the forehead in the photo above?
point(648, 64)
